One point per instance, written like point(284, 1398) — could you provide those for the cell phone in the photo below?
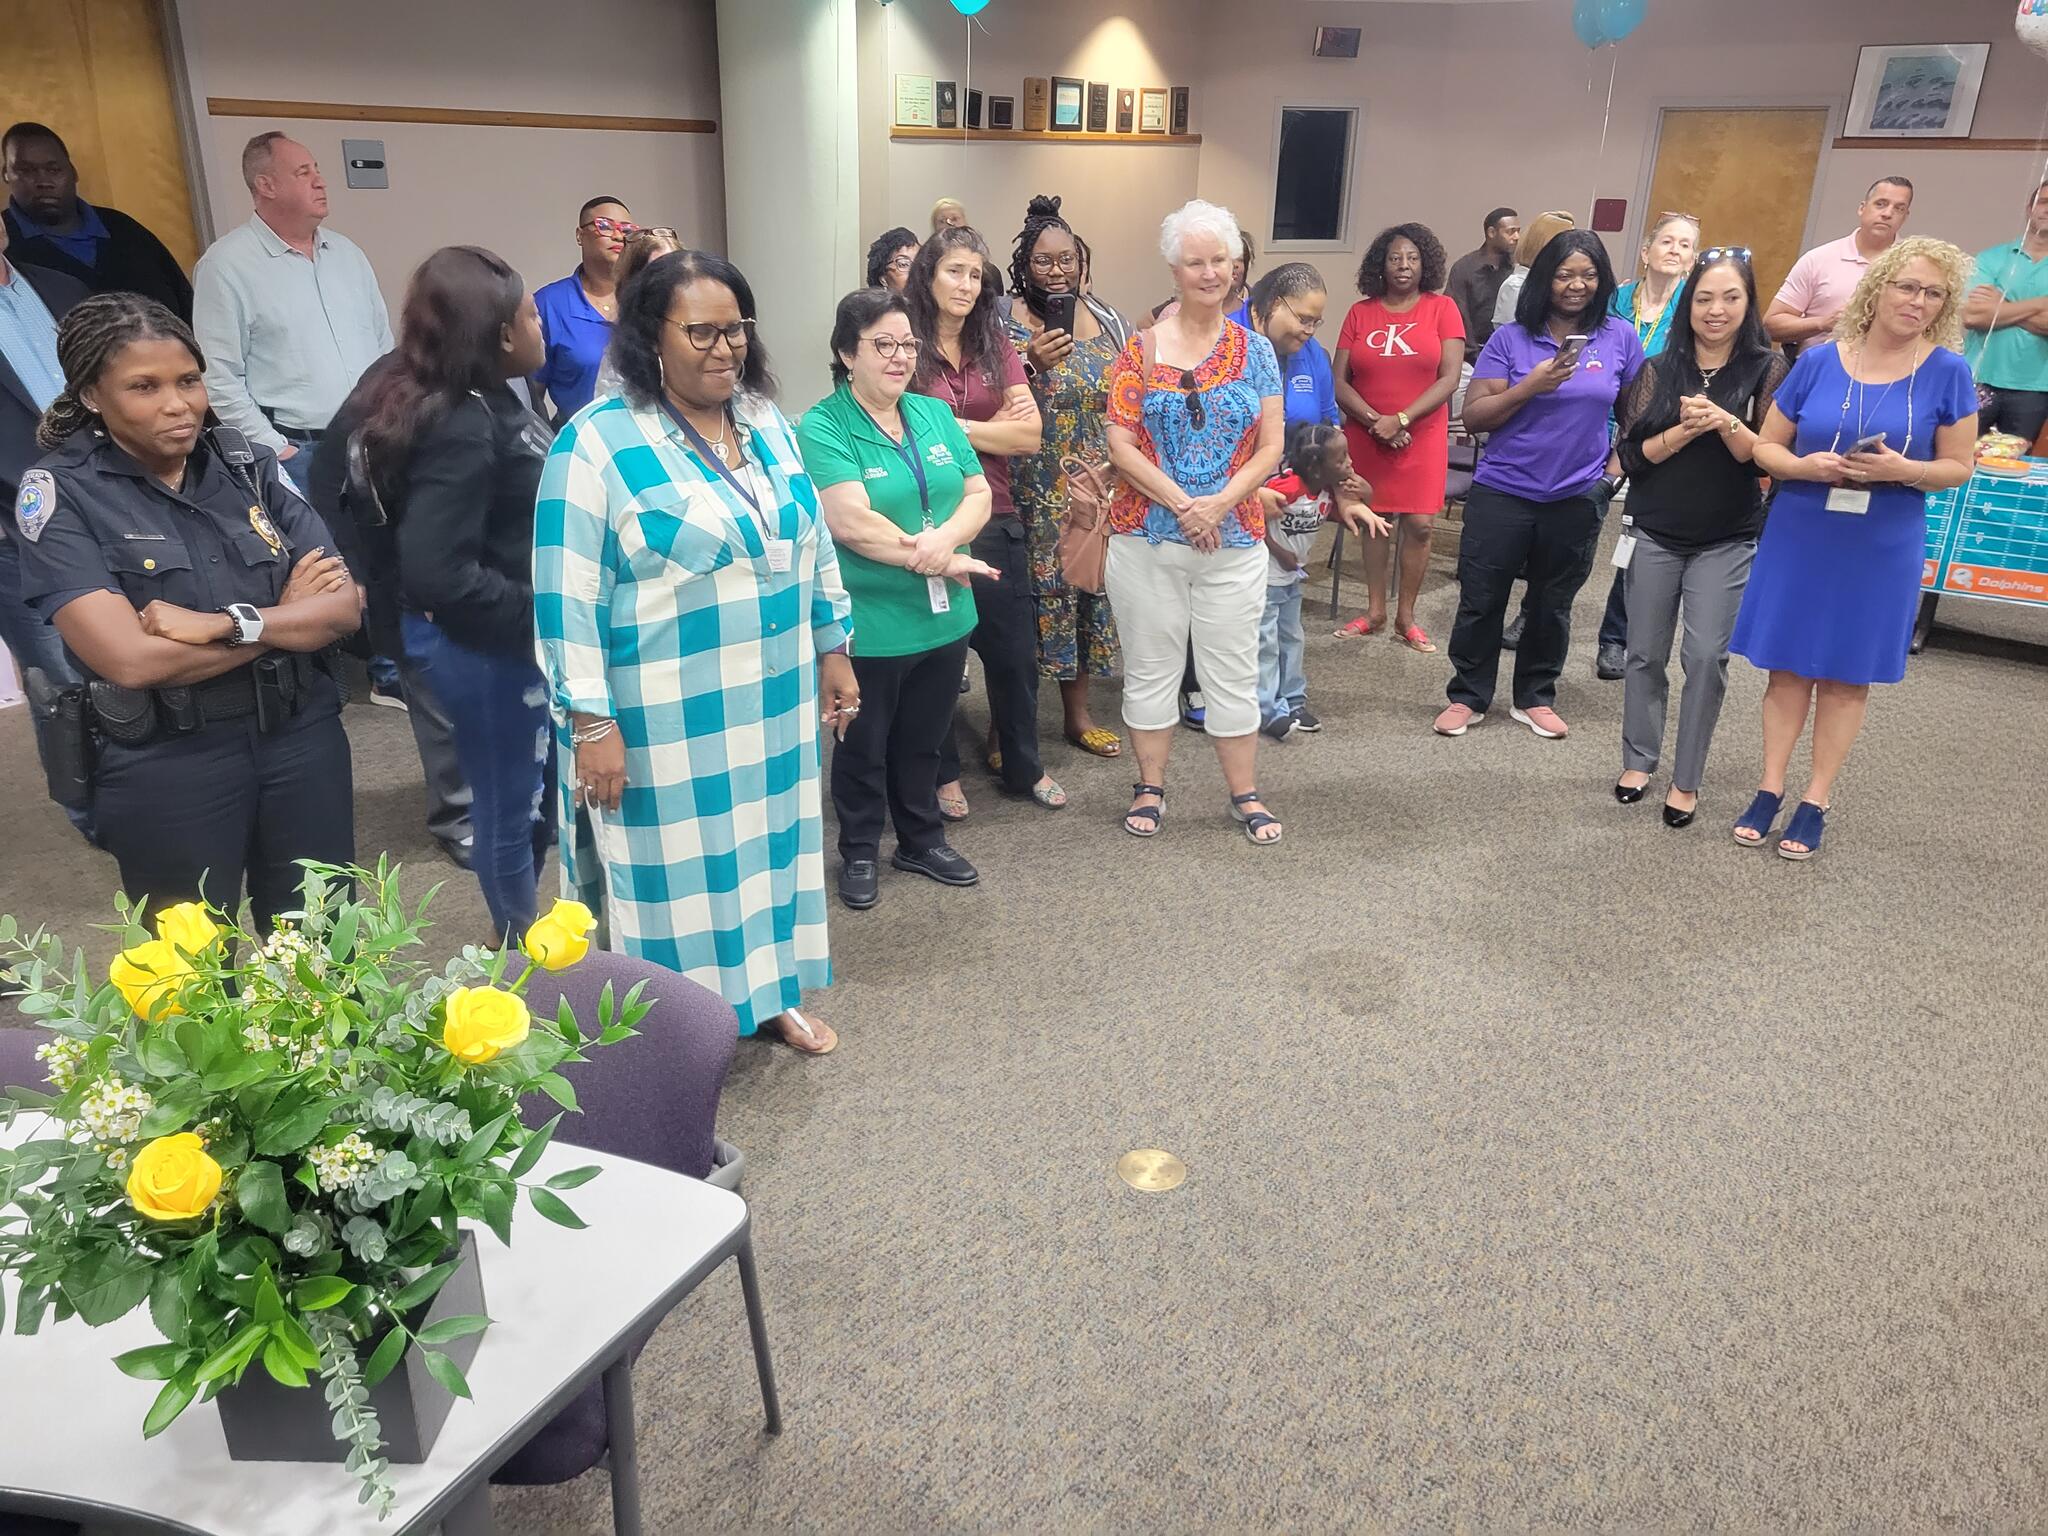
point(1568, 354)
point(1865, 444)
point(1059, 312)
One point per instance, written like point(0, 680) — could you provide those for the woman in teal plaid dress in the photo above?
point(1076, 632)
point(693, 632)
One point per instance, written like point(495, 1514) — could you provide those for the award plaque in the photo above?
point(973, 107)
point(914, 102)
point(1002, 114)
point(1098, 107)
point(949, 104)
point(1126, 110)
point(1176, 117)
point(1069, 103)
point(1152, 110)
point(1037, 103)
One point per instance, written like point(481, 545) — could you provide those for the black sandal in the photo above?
point(1255, 822)
point(1149, 813)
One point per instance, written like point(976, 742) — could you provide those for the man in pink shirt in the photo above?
point(1818, 287)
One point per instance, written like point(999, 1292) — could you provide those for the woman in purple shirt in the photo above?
point(1543, 389)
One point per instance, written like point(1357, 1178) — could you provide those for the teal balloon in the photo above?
point(970, 7)
point(1618, 18)
point(1586, 23)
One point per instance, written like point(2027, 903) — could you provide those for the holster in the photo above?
point(64, 740)
point(125, 715)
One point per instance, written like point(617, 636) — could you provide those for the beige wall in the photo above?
point(1463, 107)
point(515, 190)
point(1115, 195)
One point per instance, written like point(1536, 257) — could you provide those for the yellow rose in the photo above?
point(481, 1022)
point(562, 936)
point(172, 1179)
point(187, 926)
point(149, 976)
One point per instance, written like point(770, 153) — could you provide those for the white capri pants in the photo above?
point(1164, 596)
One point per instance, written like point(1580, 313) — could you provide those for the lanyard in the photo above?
point(910, 453)
point(704, 452)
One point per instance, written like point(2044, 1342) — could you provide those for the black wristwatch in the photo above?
point(1609, 486)
point(246, 622)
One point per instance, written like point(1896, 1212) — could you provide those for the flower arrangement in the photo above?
point(269, 1142)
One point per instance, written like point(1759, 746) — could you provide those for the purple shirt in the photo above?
point(1556, 445)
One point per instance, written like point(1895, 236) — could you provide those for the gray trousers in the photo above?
point(1707, 585)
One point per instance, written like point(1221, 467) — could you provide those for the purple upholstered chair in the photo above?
point(18, 1065)
point(653, 1098)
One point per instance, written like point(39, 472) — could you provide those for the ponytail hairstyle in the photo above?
point(982, 342)
point(1312, 454)
point(451, 340)
point(1042, 214)
point(92, 335)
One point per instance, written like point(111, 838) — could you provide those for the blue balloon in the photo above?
point(969, 7)
point(1586, 23)
point(1618, 18)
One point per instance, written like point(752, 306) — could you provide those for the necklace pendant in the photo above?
point(724, 453)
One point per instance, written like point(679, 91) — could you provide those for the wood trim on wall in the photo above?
point(347, 112)
point(1020, 136)
point(1891, 143)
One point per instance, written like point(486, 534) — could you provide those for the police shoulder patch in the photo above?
point(36, 503)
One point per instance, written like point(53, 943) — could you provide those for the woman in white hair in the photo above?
point(1194, 431)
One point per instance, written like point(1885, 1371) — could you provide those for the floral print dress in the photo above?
point(1076, 632)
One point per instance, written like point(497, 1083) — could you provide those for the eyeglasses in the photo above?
point(661, 232)
point(1065, 261)
point(1935, 296)
point(1310, 326)
point(1714, 253)
point(1668, 215)
point(887, 347)
point(1198, 417)
point(897, 264)
point(604, 226)
point(704, 336)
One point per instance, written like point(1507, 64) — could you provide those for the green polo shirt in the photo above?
point(892, 609)
point(2011, 357)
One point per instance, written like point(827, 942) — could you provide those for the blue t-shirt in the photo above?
point(1308, 389)
point(576, 338)
point(1556, 445)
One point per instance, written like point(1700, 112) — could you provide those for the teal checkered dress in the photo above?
point(655, 606)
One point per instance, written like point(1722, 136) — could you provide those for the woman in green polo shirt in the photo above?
point(903, 495)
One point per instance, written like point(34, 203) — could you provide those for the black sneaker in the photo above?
point(1511, 637)
point(1279, 728)
point(941, 863)
point(859, 884)
point(1611, 663)
point(1305, 721)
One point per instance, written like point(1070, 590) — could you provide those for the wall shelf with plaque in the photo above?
point(1064, 140)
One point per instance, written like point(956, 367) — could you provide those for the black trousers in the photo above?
point(1006, 638)
point(888, 766)
point(2018, 411)
point(192, 816)
point(1552, 543)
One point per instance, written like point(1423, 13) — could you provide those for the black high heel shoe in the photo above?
point(1674, 817)
point(1629, 794)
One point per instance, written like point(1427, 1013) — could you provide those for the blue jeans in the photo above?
point(34, 642)
point(1283, 686)
point(505, 743)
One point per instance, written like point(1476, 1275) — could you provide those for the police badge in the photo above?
point(36, 504)
point(260, 521)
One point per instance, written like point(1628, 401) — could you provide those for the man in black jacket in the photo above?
point(53, 227)
point(32, 301)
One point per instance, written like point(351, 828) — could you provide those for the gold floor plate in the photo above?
point(1151, 1170)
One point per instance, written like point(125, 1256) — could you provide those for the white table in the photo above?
point(569, 1306)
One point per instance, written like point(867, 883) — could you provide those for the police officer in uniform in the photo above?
point(194, 589)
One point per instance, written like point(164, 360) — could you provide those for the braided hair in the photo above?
point(1043, 214)
point(1311, 453)
point(91, 337)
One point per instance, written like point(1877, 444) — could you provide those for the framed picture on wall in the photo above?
point(916, 98)
point(1177, 111)
point(1069, 102)
point(1152, 110)
point(1098, 107)
point(1916, 90)
point(1002, 114)
point(1126, 110)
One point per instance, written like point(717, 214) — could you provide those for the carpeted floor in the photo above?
point(1548, 1168)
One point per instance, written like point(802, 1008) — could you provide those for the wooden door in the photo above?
point(1747, 174)
point(96, 71)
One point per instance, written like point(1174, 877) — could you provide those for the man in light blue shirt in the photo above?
point(2007, 317)
point(288, 314)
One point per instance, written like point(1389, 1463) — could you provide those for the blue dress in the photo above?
point(1833, 594)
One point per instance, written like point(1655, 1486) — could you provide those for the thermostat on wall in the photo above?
point(364, 159)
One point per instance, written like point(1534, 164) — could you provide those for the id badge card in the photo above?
point(1849, 498)
point(942, 600)
point(781, 554)
point(1624, 551)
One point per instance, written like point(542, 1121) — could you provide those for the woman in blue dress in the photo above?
point(1831, 600)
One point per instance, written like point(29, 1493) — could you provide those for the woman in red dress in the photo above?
point(1397, 364)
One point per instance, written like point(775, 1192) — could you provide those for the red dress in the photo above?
point(1394, 358)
